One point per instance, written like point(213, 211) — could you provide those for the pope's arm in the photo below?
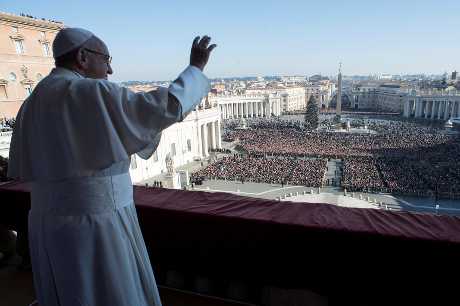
point(132, 122)
point(182, 99)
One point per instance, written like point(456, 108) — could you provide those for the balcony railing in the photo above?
point(360, 256)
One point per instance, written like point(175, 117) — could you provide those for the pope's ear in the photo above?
point(82, 58)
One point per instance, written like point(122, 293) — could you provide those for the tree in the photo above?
point(311, 116)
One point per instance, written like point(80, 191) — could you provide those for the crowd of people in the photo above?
point(262, 169)
point(361, 174)
point(400, 157)
point(6, 124)
point(290, 142)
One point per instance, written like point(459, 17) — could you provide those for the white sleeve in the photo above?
point(189, 87)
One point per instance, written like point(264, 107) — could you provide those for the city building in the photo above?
point(25, 58)
point(380, 97)
point(293, 79)
point(322, 90)
point(293, 98)
point(218, 88)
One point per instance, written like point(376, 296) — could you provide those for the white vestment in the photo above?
point(73, 139)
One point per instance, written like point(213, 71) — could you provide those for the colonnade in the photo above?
point(209, 137)
point(249, 109)
point(434, 109)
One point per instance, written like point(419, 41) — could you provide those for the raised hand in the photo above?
point(200, 51)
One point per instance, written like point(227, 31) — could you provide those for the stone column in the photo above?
point(219, 135)
point(447, 110)
point(453, 111)
point(427, 104)
point(448, 113)
point(418, 108)
point(406, 108)
point(205, 140)
point(199, 140)
point(212, 125)
point(439, 110)
point(433, 109)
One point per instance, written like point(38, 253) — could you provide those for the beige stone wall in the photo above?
point(18, 72)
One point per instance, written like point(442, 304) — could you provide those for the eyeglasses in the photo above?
point(108, 58)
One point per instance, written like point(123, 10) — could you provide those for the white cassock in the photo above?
point(72, 140)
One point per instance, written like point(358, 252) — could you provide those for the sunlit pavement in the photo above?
point(275, 191)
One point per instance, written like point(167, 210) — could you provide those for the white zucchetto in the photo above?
point(69, 39)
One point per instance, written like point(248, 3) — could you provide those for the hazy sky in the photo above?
point(150, 40)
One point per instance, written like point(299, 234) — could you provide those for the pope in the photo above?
point(72, 140)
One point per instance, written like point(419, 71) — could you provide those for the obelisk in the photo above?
point(338, 108)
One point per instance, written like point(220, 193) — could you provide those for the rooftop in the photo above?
point(31, 21)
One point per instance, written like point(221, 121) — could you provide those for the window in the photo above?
point(173, 149)
point(3, 94)
point(189, 145)
point(46, 49)
point(18, 43)
point(12, 77)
